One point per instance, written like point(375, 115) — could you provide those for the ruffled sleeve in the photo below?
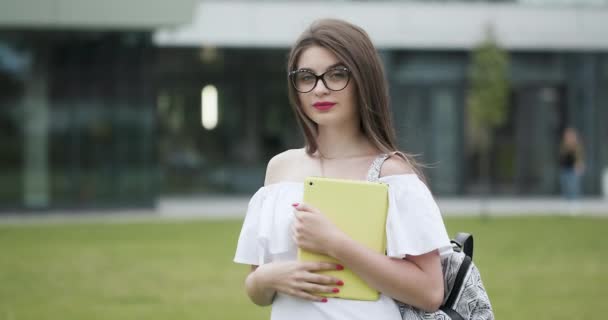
point(414, 225)
point(265, 233)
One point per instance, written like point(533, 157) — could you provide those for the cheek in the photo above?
point(349, 98)
point(353, 109)
point(351, 94)
point(301, 98)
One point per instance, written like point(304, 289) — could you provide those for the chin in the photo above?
point(328, 119)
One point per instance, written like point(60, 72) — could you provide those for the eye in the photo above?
point(305, 77)
point(337, 75)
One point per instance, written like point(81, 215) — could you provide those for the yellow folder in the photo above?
point(359, 209)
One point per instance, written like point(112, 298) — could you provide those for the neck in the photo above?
point(345, 141)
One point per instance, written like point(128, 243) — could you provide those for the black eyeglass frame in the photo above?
point(317, 77)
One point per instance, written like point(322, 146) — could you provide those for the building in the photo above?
point(101, 102)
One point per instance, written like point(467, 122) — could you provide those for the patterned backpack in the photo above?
point(465, 296)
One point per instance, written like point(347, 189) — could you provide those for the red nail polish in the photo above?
point(295, 204)
point(324, 300)
point(340, 283)
point(339, 267)
point(335, 290)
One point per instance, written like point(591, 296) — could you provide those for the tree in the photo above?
point(488, 98)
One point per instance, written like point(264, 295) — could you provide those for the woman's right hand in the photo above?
point(298, 279)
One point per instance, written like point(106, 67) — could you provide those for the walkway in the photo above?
point(235, 208)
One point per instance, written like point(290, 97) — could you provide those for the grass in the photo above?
point(532, 267)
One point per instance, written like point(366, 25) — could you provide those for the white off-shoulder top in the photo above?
point(414, 226)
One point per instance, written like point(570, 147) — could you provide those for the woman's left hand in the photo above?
point(313, 231)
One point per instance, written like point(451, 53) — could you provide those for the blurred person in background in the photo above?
point(339, 94)
point(571, 164)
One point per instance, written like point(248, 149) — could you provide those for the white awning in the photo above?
point(403, 25)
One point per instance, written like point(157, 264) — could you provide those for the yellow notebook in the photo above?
point(358, 208)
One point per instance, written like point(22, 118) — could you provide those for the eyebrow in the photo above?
point(335, 65)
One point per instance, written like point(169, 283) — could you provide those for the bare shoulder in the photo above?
point(279, 165)
point(396, 165)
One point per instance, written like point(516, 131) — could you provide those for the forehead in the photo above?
point(317, 59)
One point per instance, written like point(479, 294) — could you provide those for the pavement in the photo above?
point(229, 207)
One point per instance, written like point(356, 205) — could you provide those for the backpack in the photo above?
point(464, 294)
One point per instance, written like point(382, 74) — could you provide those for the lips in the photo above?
point(323, 105)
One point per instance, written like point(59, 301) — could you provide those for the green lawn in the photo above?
point(533, 268)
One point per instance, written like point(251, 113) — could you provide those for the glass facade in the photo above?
point(428, 106)
point(254, 118)
point(79, 120)
point(103, 119)
point(549, 91)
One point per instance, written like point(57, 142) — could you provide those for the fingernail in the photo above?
point(295, 204)
point(324, 300)
point(340, 283)
point(339, 267)
point(335, 290)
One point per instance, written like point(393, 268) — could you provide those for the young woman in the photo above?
point(339, 94)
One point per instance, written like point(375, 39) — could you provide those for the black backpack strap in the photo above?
point(458, 282)
point(465, 242)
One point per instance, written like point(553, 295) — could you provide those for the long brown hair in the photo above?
point(354, 49)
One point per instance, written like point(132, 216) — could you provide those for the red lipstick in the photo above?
point(323, 105)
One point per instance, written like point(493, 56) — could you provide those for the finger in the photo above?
point(296, 225)
point(320, 266)
point(296, 239)
point(300, 215)
point(323, 279)
point(309, 296)
point(307, 208)
point(297, 230)
point(315, 289)
point(301, 291)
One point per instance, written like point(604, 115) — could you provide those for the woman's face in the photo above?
point(570, 137)
point(322, 105)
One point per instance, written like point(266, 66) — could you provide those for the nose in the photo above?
point(320, 89)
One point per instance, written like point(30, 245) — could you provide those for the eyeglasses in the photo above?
point(334, 79)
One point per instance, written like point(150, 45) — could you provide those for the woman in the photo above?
point(571, 164)
point(339, 94)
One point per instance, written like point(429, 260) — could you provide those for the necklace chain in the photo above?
point(322, 168)
point(323, 158)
